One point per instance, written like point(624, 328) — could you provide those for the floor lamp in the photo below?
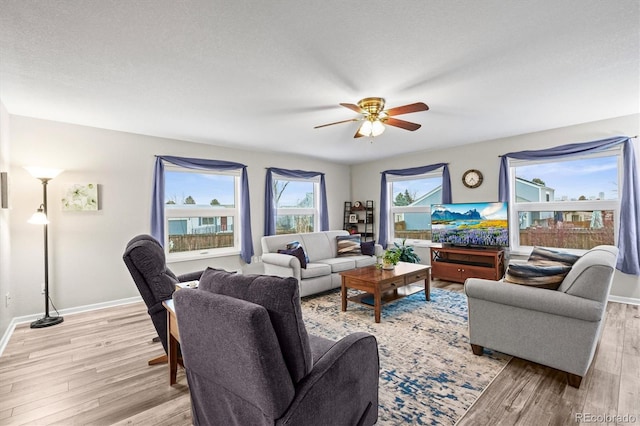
point(40, 218)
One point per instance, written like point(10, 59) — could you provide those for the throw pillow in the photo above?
point(348, 245)
point(548, 276)
point(368, 248)
point(280, 297)
point(296, 244)
point(542, 255)
point(297, 252)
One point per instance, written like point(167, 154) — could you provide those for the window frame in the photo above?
point(515, 208)
point(313, 211)
point(393, 210)
point(171, 213)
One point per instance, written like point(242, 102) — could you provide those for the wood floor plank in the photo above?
point(95, 371)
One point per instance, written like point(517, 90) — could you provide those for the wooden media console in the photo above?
point(457, 263)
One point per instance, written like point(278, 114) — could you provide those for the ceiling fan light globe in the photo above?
point(377, 128)
point(366, 129)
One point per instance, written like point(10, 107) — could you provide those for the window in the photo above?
point(571, 204)
point(297, 204)
point(201, 213)
point(411, 199)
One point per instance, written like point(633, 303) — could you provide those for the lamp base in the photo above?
point(46, 322)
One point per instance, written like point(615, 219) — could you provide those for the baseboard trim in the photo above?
point(69, 311)
point(626, 300)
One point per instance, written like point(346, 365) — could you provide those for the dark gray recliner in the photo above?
point(250, 361)
point(145, 259)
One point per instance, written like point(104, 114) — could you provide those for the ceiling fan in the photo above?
point(374, 116)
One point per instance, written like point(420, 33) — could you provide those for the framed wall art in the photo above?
point(80, 197)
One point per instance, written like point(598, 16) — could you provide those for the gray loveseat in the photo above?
point(322, 272)
point(558, 328)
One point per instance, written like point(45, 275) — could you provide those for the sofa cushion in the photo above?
point(362, 261)
point(280, 297)
point(315, 270)
point(348, 245)
point(297, 252)
point(317, 245)
point(548, 276)
point(368, 248)
point(339, 264)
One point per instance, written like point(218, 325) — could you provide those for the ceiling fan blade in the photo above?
point(401, 123)
point(406, 109)
point(337, 122)
point(358, 134)
point(353, 107)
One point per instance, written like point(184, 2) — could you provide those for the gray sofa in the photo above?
point(558, 328)
point(323, 269)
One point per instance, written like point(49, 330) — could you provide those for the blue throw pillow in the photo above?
point(297, 252)
point(294, 245)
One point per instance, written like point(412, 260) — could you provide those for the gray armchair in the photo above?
point(557, 328)
point(250, 361)
point(144, 257)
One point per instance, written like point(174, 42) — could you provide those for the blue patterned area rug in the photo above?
point(428, 374)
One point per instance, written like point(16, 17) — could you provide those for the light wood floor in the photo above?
point(92, 369)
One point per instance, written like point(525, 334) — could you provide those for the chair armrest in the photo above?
point(282, 265)
point(534, 299)
point(190, 276)
point(343, 385)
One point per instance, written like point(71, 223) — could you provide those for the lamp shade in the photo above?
point(43, 173)
point(39, 218)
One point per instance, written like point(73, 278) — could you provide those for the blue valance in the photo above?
point(157, 202)
point(414, 171)
point(270, 208)
point(628, 232)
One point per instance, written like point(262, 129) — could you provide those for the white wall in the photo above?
point(6, 312)
point(484, 157)
point(86, 247)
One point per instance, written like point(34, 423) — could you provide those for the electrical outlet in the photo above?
point(42, 289)
point(7, 298)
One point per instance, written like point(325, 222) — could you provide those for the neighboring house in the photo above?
point(415, 221)
point(531, 192)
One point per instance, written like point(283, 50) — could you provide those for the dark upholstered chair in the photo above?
point(145, 259)
point(250, 361)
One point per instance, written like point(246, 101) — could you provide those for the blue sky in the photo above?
point(575, 178)
point(486, 210)
point(202, 187)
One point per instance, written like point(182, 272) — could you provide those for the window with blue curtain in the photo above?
point(575, 196)
point(295, 201)
point(407, 195)
point(201, 208)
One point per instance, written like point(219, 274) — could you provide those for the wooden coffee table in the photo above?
point(384, 285)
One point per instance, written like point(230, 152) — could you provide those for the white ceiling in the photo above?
point(260, 75)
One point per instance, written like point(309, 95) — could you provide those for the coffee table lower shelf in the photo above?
point(384, 286)
point(367, 298)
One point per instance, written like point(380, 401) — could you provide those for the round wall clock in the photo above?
point(472, 178)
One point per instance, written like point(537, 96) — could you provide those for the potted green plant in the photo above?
point(390, 259)
point(405, 253)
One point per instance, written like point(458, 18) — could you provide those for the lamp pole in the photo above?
point(47, 320)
